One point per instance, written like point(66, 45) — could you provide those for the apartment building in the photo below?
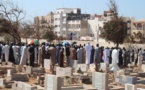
point(41, 21)
point(70, 22)
point(138, 26)
point(95, 25)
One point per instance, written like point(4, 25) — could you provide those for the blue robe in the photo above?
point(57, 53)
point(92, 56)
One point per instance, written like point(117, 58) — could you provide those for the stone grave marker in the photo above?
point(103, 66)
point(140, 89)
point(9, 73)
point(60, 71)
point(28, 69)
point(100, 81)
point(28, 87)
point(47, 63)
point(52, 82)
point(83, 67)
point(68, 71)
point(143, 67)
point(92, 66)
point(74, 63)
point(2, 81)
point(130, 87)
point(123, 79)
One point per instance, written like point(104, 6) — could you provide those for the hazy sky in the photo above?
point(130, 8)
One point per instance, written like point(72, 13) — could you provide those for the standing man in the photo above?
point(115, 60)
point(92, 55)
point(88, 53)
point(106, 55)
point(140, 58)
point(6, 52)
point(32, 55)
point(97, 57)
point(43, 53)
point(120, 57)
point(61, 58)
point(52, 51)
point(67, 53)
point(11, 54)
point(24, 55)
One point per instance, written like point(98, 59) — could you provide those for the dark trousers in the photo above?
point(32, 60)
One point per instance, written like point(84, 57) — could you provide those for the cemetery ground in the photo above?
point(75, 77)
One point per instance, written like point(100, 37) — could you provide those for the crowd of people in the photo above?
point(62, 54)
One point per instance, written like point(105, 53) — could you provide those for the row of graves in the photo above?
point(76, 77)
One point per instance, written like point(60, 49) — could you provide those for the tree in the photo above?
point(139, 36)
point(27, 30)
point(14, 15)
point(49, 35)
point(114, 30)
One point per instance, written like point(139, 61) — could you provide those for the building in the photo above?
point(138, 26)
point(43, 21)
point(94, 26)
point(69, 22)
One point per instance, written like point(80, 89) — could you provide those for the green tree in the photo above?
point(49, 35)
point(114, 30)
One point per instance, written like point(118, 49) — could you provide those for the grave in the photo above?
point(52, 82)
point(47, 63)
point(2, 82)
point(103, 66)
point(130, 87)
point(68, 71)
point(60, 71)
point(100, 81)
point(123, 79)
point(83, 67)
point(19, 77)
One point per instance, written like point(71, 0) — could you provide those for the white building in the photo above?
point(70, 20)
point(94, 27)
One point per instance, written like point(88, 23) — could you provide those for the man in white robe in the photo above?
point(106, 55)
point(36, 53)
point(24, 56)
point(79, 55)
point(88, 53)
point(140, 58)
point(115, 60)
point(6, 52)
point(39, 56)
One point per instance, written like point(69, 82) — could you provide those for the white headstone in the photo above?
point(9, 72)
point(20, 85)
point(47, 63)
point(28, 69)
point(130, 87)
point(103, 66)
point(140, 89)
point(2, 82)
point(83, 67)
point(29, 87)
point(100, 81)
point(143, 67)
point(60, 71)
point(92, 66)
point(52, 82)
point(68, 71)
